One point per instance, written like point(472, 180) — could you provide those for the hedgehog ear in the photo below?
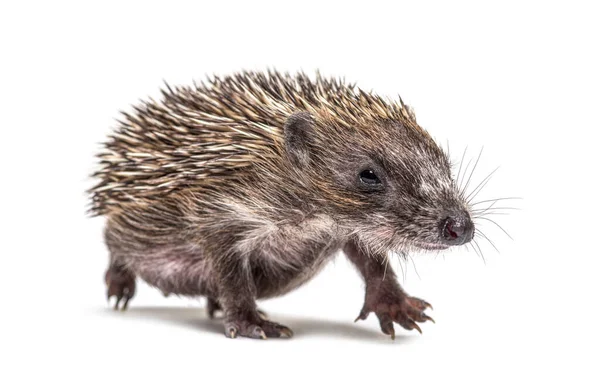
point(297, 134)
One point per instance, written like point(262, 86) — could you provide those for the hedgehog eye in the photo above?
point(369, 177)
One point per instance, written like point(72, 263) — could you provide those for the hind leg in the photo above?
point(119, 279)
point(120, 283)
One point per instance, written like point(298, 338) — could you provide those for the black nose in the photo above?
point(457, 230)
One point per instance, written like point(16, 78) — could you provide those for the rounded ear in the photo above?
point(297, 134)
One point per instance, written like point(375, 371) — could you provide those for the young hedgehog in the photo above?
point(245, 187)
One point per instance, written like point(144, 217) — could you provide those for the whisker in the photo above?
point(460, 186)
point(461, 163)
point(472, 171)
point(488, 239)
point(481, 185)
point(490, 213)
point(467, 247)
point(497, 199)
point(402, 268)
point(415, 267)
point(496, 208)
point(473, 247)
point(480, 251)
point(487, 208)
point(386, 261)
point(500, 227)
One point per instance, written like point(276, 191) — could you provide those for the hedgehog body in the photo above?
point(245, 186)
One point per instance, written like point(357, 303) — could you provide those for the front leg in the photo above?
point(383, 294)
point(236, 295)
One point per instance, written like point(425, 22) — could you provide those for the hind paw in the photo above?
point(213, 306)
point(256, 327)
point(120, 284)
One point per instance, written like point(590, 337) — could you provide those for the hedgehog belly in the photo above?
point(273, 280)
point(185, 270)
point(177, 269)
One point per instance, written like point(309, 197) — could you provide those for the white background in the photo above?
point(520, 79)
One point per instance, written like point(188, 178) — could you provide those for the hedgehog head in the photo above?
point(385, 179)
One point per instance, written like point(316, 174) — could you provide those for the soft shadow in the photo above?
point(196, 318)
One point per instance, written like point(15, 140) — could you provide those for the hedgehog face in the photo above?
point(389, 183)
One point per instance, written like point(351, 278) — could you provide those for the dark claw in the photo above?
point(285, 331)
point(362, 316)
point(386, 324)
point(416, 326)
point(127, 298)
point(419, 303)
point(121, 285)
point(428, 318)
point(388, 329)
point(276, 330)
point(117, 302)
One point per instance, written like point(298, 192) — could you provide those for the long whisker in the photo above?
point(480, 252)
point(496, 208)
point(474, 249)
point(481, 185)
point(467, 247)
point(472, 171)
point(487, 208)
point(497, 199)
point(402, 268)
point(489, 213)
point(415, 267)
point(488, 239)
point(461, 187)
point(500, 227)
point(461, 163)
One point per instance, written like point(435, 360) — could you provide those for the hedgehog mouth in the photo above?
point(429, 246)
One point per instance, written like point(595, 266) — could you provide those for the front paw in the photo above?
point(395, 307)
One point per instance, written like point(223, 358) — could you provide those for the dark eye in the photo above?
point(369, 177)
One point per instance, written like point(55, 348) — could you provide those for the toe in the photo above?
point(417, 315)
point(125, 303)
point(408, 323)
point(256, 332)
point(276, 330)
point(386, 324)
point(119, 297)
point(418, 303)
point(231, 331)
point(364, 313)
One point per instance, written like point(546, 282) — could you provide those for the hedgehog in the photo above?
point(243, 187)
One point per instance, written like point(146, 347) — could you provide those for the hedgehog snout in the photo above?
point(457, 229)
